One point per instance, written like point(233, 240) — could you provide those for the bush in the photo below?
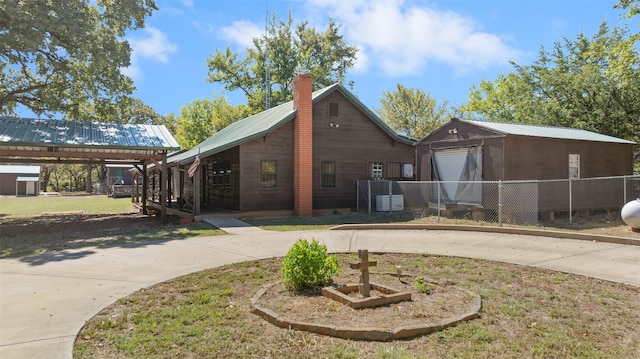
point(307, 265)
point(422, 285)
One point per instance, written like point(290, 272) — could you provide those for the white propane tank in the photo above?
point(630, 214)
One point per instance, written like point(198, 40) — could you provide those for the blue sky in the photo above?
point(441, 47)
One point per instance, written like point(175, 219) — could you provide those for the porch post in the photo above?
point(145, 189)
point(163, 188)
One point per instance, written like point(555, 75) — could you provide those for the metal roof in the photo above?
point(63, 133)
point(268, 121)
point(20, 169)
point(545, 131)
point(27, 179)
point(25, 140)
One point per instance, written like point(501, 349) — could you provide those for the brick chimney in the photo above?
point(303, 146)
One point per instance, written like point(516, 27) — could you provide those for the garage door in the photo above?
point(459, 170)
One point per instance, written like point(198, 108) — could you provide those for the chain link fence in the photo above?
point(501, 202)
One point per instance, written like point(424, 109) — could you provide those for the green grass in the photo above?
point(95, 221)
point(89, 204)
point(532, 315)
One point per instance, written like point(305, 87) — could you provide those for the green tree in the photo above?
point(587, 83)
point(632, 7)
point(57, 55)
point(200, 119)
point(412, 111)
point(126, 110)
point(284, 50)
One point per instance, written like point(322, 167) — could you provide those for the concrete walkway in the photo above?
point(45, 299)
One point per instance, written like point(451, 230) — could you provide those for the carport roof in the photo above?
point(39, 138)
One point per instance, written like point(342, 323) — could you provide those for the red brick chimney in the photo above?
point(303, 146)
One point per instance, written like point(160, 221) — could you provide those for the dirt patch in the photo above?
point(75, 226)
point(443, 302)
point(20, 236)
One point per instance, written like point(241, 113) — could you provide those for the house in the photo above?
point(463, 150)
point(302, 157)
point(19, 180)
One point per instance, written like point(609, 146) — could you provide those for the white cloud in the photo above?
point(402, 39)
point(154, 45)
point(243, 32)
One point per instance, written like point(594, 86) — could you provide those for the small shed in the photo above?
point(19, 180)
point(464, 150)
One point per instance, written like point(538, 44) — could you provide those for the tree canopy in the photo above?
point(412, 111)
point(284, 51)
point(587, 83)
point(55, 56)
point(200, 119)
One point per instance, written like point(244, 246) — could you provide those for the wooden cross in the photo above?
point(363, 265)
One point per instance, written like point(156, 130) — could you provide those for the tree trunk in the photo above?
point(89, 187)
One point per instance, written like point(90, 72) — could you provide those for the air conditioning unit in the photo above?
point(397, 203)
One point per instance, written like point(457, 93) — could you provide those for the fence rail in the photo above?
point(512, 202)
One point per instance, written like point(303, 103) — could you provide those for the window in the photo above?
point(394, 170)
point(333, 109)
point(328, 174)
point(376, 170)
point(574, 165)
point(221, 174)
point(268, 173)
point(217, 174)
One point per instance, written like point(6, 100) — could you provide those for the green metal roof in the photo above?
point(63, 133)
point(268, 121)
point(545, 131)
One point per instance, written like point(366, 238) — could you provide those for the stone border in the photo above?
point(494, 229)
point(366, 333)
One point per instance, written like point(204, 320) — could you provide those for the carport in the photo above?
point(24, 140)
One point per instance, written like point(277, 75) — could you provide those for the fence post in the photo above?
point(390, 197)
point(358, 196)
point(438, 201)
point(624, 189)
point(570, 202)
point(500, 203)
point(369, 195)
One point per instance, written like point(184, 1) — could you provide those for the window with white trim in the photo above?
point(376, 170)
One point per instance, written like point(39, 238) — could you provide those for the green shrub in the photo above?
point(422, 285)
point(307, 265)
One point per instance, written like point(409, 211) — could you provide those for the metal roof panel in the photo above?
point(546, 131)
point(64, 133)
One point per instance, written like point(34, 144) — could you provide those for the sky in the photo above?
point(441, 47)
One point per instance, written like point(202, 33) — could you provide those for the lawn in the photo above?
point(526, 312)
point(36, 225)
point(11, 206)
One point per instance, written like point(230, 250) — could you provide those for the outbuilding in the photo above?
point(464, 150)
point(19, 180)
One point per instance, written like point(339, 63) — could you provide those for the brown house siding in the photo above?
point(353, 141)
point(277, 146)
point(547, 158)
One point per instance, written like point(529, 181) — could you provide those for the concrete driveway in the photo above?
point(45, 299)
